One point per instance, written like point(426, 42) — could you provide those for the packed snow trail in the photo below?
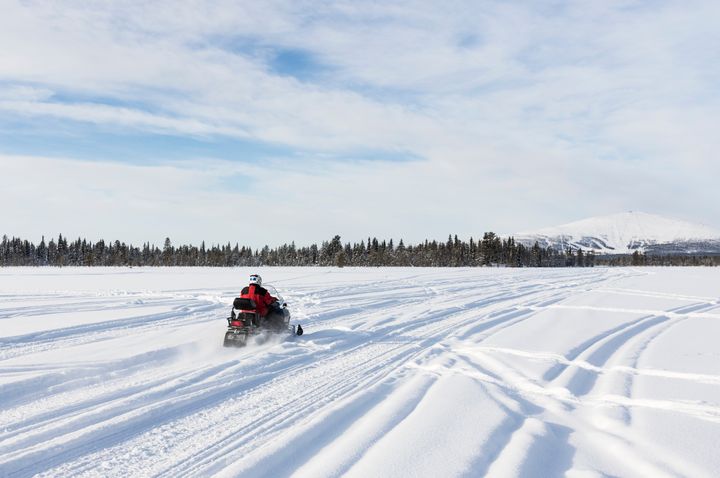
point(402, 372)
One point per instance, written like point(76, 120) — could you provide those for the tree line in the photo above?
point(638, 258)
point(491, 250)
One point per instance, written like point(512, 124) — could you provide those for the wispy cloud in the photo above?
point(557, 110)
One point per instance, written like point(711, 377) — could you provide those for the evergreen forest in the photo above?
point(491, 250)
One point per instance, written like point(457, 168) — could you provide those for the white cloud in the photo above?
point(277, 202)
point(120, 116)
point(549, 108)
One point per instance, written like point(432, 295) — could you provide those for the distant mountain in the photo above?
point(626, 233)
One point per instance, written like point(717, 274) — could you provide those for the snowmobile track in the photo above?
point(573, 361)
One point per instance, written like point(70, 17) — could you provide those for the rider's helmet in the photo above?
point(255, 279)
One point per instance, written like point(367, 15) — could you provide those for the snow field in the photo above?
point(402, 372)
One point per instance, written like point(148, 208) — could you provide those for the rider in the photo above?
point(267, 305)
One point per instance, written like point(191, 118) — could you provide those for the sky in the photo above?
point(278, 121)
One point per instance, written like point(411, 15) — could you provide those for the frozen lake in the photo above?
point(401, 372)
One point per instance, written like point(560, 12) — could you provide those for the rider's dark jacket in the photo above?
point(261, 297)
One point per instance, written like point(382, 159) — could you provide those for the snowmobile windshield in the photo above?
point(273, 292)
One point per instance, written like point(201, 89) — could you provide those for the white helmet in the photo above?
point(255, 279)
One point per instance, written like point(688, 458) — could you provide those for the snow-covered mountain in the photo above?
point(627, 232)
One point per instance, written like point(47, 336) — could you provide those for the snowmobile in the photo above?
point(245, 321)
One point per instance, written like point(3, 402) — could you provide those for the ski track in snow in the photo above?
point(402, 372)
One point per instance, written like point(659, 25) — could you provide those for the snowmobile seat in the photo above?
point(244, 304)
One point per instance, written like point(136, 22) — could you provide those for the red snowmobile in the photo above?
point(245, 321)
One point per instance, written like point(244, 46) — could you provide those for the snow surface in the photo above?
point(402, 372)
point(621, 233)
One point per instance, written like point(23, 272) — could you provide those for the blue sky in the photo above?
point(408, 119)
